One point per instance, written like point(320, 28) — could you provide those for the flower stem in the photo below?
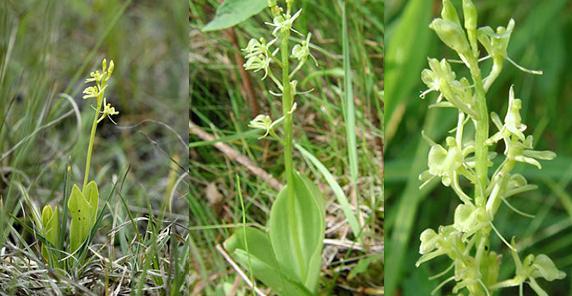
point(481, 154)
point(287, 101)
point(482, 132)
point(91, 141)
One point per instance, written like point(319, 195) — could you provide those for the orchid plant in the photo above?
point(287, 255)
point(466, 242)
point(82, 203)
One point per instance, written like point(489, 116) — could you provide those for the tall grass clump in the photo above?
point(468, 155)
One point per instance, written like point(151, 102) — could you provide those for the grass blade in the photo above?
point(349, 108)
point(406, 53)
point(338, 192)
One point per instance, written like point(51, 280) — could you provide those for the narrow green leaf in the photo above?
point(407, 46)
point(298, 250)
point(233, 12)
point(336, 188)
point(348, 103)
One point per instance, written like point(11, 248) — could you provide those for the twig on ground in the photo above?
point(238, 270)
point(234, 155)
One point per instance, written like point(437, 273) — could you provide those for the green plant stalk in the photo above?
point(287, 102)
point(481, 154)
point(91, 141)
point(473, 221)
point(482, 132)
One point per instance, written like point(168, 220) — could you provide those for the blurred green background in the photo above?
point(541, 40)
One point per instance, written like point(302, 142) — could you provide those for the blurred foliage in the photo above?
point(541, 40)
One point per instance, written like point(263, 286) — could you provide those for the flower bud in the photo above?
point(469, 219)
point(451, 34)
point(110, 69)
point(449, 12)
point(470, 13)
point(429, 240)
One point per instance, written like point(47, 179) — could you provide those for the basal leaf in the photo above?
point(296, 231)
point(270, 275)
point(81, 213)
point(50, 227)
point(252, 249)
point(233, 12)
point(92, 195)
point(253, 240)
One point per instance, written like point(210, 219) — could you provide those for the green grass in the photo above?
point(219, 106)
point(539, 42)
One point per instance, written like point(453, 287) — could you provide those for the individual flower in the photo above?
point(446, 242)
point(496, 43)
point(530, 269)
point(302, 51)
point(258, 55)
point(443, 162)
point(258, 47)
point(108, 111)
point(283, 23)
point(517, 146)
point(441, 78)
point(91, 92)
point(513, 120)
point(263, 122)
point(469, 219)
point(257, 63)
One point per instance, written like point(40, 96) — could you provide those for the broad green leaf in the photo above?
point(252, 249)
point(81, 214)
point(233, 12)
point(92, 195)
point(254, 241)
point(50, 227)
point(296, 229)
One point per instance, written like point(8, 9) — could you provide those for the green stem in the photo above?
point(481, 152)
point(91, 141)
point(482, 132)
point(287, 101)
